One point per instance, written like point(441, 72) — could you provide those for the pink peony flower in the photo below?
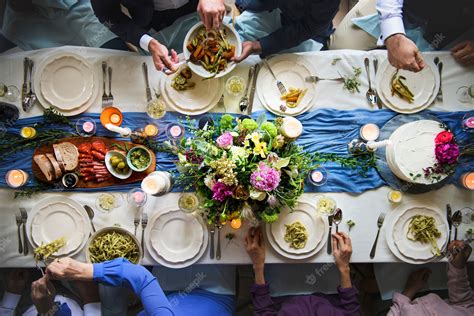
point(444, 138)
point(447, 153)
point(221, 191)
point(265, 178)
point(225, 141)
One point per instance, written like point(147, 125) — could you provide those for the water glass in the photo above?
point(10, 93)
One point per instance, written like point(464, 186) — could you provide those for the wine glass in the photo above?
point(11, 93)
point(465, 94)
point(467, 215)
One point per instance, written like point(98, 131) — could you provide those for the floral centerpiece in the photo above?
point(246, 168)
point(447, 153)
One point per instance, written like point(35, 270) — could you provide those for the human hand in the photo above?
point(70, 269)
point(255, 246)
point(248, 48)
point(88, 291)
point(211, 12)
point(162, 58)
point(416, 281)
point(42, 294)
point(403, 53)
point(341, 250)
point(463, 53)
point(16, 280)
point(459, 252)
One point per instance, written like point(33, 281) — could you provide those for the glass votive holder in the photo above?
point(137, 197)
point(16, 178)
point(467, 180)
point(151, 130)
point(86, 127)
point(467, 123)
point(10, 93)
point(318, 176)
point(235, 86)
point(369, 132)
point(174, 131)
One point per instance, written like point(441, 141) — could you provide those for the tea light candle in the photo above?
point(469, 122)
point(467, 180)
point(175, 131)
point(291, 127)
point(114, 118)
point(369, 132)
point(88, 126)
point(151, 130)
point(318, 176)
point(16, 178)
point(28, 132)
point(236, 223)
point(153, 184)
point(138, 197)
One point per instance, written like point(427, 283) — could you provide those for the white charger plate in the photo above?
point(291, 70)
point(423, 84)
point(388, 226)
point(198, 100)
point(158, 258)
point(67, 82)
point(46, 104)
point(57, 217)
point(320, 245)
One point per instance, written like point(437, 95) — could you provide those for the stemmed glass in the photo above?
point(465, 94)
point(11, 93)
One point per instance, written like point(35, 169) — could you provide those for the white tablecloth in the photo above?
point(129, 94)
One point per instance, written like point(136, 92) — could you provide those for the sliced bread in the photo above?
point(69, 155)
point(57, 170)
point(45, 166)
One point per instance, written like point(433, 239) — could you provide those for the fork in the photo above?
point(136, 222)
point(439, 65)
point(376, 67)
point(144, 223)
point(110, 97)
point(104, 78)
point(211, 250)
point(24, 217)
point(314, 79)
point(379, 225)
point(18, 224)
point(280, 85)
point(218, 250)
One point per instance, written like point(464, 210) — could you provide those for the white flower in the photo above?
point(238, 153)
point(209, 181)
point(257, 195)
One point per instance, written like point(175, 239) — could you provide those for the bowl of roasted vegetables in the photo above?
point(111, 243)
point(210, 52)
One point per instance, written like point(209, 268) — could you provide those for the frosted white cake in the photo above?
point(412, 149)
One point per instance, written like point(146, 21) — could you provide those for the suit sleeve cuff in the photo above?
point(10, 300)
point(145, 41)
point(92, 309)
point(391, 26)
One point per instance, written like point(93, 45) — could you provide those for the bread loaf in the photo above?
point(57, 170)
point(45, 166)
point(67, 154)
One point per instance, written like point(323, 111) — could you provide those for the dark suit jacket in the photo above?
point(130, 30)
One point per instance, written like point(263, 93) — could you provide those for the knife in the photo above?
point(330, 218)
point(450, 221)
point(252, 90)
point(24, 87)
point(147, 90)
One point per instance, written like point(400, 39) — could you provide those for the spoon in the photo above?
point(457, 218)
point(244, 101)
point(90, 213)
point(337, 218)
point(370, 95)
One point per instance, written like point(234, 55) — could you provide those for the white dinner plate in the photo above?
point(414, 249)
point(389, 224)
point(56, 217)
point(198, 100)
point(291, 70)
point(321, 229)
point(67, 83)
point(156, 253)
point(423, 84)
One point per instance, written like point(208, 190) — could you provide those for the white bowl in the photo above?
point(111, 169)
point(233, 39)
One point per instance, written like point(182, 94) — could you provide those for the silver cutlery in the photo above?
point(439, 64)
point(211, 251)
point(90, 213)
point(110, 96)
point(379, 225)
point(144, 223)
point(221, 103)
point(329, 246)
point(218, 250)
point(376, 67)
point(279, 84)
point(24, 217)
point(18, 224)
point(31, 96)
point(252, 89)
point(136, 222)
point(24, 87)
point(370, 94)
point(450, 221)
point(457, 218)
point(315, 79)
point(105, 98)
point(337, 218)
point(147, 83)
point(244, 101)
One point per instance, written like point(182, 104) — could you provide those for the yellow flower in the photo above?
point(255, 137)
point(260, 149)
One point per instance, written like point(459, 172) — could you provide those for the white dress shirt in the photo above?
point(391, 18)
point(161, 5)
point(10, 302)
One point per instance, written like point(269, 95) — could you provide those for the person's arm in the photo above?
point(120, 272)
point(399, 302)
point(459, 289)
point(16, 282)
point(391, 18)
point(93, 309)
point(9, 303)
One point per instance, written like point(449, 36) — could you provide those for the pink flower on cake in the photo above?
point(447, 153)
point(444, 138)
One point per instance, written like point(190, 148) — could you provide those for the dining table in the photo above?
point(363, 208)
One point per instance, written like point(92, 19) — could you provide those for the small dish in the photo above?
point(106, 202)
point(113, 162)
point(136, 158)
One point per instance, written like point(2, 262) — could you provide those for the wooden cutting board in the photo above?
point(135, 177)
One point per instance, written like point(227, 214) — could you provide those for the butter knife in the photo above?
point(439, 96)
point(147, 83)
point(24, 87)
point(252, 90)
point(330, 218)
point(450, 221)
point(211, 250)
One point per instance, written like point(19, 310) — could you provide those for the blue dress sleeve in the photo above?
point(120, 272)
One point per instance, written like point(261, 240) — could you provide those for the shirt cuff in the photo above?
point(389, 27)
point(92, 309)
point(400, 298)
point(98, 274)
point(10, 300)
point(145, 41)
point(260, 289)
